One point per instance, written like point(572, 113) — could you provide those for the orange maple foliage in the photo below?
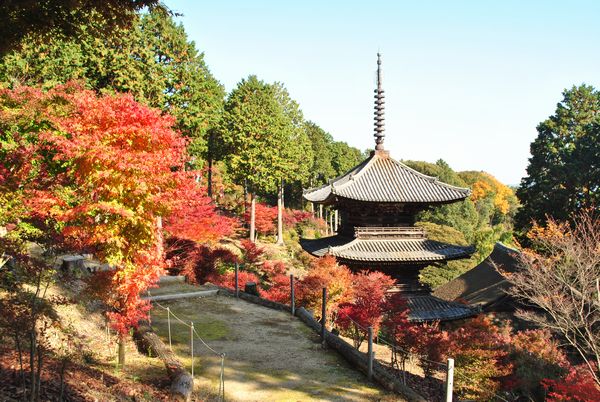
point(487, 185)
point(325, 272)
point(99, 171)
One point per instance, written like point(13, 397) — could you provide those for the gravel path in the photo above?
point(271, 356)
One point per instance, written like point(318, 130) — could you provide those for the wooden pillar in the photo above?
point(336, 220)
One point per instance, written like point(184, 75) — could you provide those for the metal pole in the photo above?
point(370, 355)
point(237, 289)
point(292, 295)
point(192, 345)
point(449, 379)
point(323, 315)
point(169, 324)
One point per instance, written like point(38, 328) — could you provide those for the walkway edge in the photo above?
point(175, 296)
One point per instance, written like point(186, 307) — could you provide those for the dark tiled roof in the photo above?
point(385, 250)
point(383, 179)
point(482, 285)
point(424, 308)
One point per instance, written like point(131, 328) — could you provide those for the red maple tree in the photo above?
point(95, 173)
point(577, 386)
point(370, 294)
point(266, 217)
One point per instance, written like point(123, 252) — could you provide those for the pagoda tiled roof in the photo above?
point(381, 178)
point(388, 250)
point(425, 308)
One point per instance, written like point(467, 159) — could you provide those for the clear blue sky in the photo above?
point(465, 81)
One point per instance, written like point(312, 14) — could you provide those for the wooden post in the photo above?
point(252, 217)
point(292, 295)
point(323, 315)
point(237, 288)
point(192, 345)
point(336, 221)
point(331, 222)
point(169, 324)
point(449, 379)
point(370, 355)
point(320, 211)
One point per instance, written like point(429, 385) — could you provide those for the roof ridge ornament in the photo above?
point(379, 109)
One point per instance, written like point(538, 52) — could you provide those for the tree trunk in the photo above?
point(280, 214)
point(182, 383)
point(245, 196)
point(32, 351)
point(210, 168)
point(252, 217)
point(210, 164)
point(20, 351)
point(121, 354)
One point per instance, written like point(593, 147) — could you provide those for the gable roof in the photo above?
point(381, 178)
point(483, 285)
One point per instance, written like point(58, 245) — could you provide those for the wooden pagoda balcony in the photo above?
point(397, 232)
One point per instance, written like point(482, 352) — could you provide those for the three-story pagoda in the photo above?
point(377, 202)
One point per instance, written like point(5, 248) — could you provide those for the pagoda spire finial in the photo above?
point(379, 109)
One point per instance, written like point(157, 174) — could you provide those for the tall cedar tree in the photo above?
point(262, 138)
point(321, 168)
point(564, 167)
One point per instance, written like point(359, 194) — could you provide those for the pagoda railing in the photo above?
point(406, 232)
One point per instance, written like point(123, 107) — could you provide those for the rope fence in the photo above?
point(448, 366)
point(221, 355)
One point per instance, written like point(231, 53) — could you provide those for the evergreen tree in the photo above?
point(321, 142)
point(344, 157)
point(262, 138)
point(153, 60)
point(563, 175)
point(49, 18)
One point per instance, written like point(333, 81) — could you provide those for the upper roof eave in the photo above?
point(382, 179)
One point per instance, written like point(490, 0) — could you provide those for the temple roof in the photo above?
point(483, 285)
point(377, 249)
point(423, 308)
point(381, 178)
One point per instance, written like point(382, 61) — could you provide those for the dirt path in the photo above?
point(271, 356)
